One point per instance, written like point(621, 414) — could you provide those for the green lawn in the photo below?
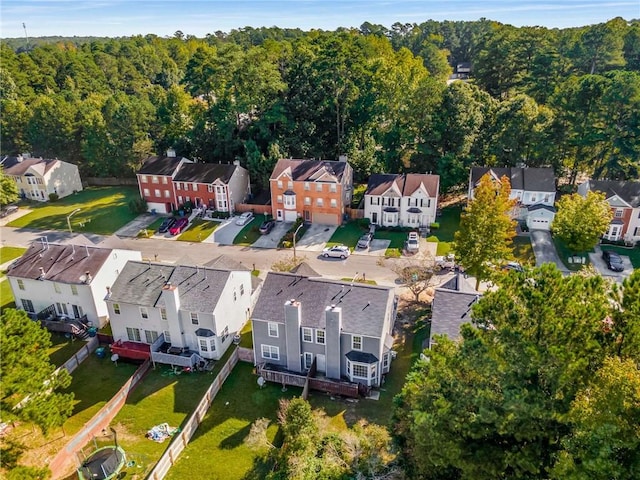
point(564, 253)
point(9, 253)
point(347, 234)
point(251, 231)
point(449, 223)
point(397, 240)
point(198, 231)
point(6, 296)
point(151, 229)
point(62, 348)
point(523, 251)
point(632, 253)
point(103, 210)
point(246, 335)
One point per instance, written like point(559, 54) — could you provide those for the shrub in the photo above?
point(54, 197)
point(287, 244)
point(138, 205)
point(364, 223)
point(434, 226)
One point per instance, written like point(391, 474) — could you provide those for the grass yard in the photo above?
point(632, 253)
point(62, 348)
point(523, 251)
point(10, 253)
point(564, 253)
point(94, 382)
point(449, 223)
point(103, 211)
point(246, 335)
point(151, 229)
point(251, 231)
point(217, 450)
point(198, 231)
point(397, 241)
point(347, 234)
point(6, 296)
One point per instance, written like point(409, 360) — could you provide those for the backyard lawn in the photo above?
point(251, 231)
point(10, 253)
point(198, 231)
point(6, 296)
point(63, 348)
point(102, 210)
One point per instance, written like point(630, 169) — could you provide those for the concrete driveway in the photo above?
point(601, 266)
point(272, 239)
point(545, 250)
point(226, 232)
point(377, 248)
point(316, 237)
point(132, 228)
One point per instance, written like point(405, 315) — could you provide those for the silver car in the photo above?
point(244, 218)
point(337, 251)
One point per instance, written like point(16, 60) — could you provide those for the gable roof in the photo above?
point(528, 179)
point(18, 166)
point(451, 307)
point(140, 283)
point(626, 190)
point(407, 184)
point(165, 166)
point(364, 307)
point(205, 172)
point(60, 263)
point(310, 170)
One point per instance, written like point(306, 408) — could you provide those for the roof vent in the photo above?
point(41, 277)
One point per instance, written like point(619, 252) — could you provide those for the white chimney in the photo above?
point(236, 163)
point(171, 153)
point(342, 158)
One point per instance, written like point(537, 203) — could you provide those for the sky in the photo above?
point(113, 18)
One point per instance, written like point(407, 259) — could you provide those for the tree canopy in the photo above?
point(8, 189)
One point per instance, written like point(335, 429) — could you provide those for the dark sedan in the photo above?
point(267, 226)
point(166, 224)
point(613, 260)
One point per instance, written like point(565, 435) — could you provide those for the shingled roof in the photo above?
point(627, 191)
point(364, 307)
point(205, 172)
point(528, 179)
point(310, 170)
point(18, 166)
point(165, 166)
point(407, 184)
point(451, 307)
point(60, 263)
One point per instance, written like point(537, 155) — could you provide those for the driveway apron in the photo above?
point(545, 250)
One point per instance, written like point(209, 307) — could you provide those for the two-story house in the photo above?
point(344, 328)
point(37, 178)
point(533, 188)
point(624, 199)
point(191, 309)
point(155, 181)
point(68, 280)
point(406, 200)
point(316, 190)
point(212, 185)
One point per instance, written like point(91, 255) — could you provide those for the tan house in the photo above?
point(316, 190)
point(37, 178)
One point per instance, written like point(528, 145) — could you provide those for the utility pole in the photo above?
point(26, 35)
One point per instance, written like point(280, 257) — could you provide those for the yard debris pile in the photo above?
point(161, 432)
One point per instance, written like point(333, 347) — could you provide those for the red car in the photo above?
point(179, 226)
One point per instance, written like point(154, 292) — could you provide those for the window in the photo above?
point(619, 212)
point(194, 318)
point(308, 360)
point(167, 336)
point(320, 337)
point(290, 201)
point(356, 342)
point(279, 183)
point(133, 334)
point(21, 284)
point(334, 202)
point(219, 190)
point(269, 351)
point(144, 313)
point(194, 187)
point(273, 329)
point(116, 308)
point(225, 334)
point(318, 187)
point(163, 313)
point(178, 186)
point(179, 199)
point(157, 192)
point(279, 198)
point(146, 192)
point(150, 336)
point(636, 232)
point(235, 296)
point(359, 370)
point(241, 289)
point(167, 194)
point(289, 184)
point(74, 289)
point(143, 178)
point(154, 179)
point(204, 344)
point(62, 308)
point(333, 188)
point(306, 186)
point(373, 371)
point(385, 361)
point(210, 188)
point(320, 202)
point(307, 200)
point(164, 180)
point(307, 334)
point(27, 305)
point(56, 287)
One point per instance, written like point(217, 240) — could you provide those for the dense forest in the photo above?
point(566, 98)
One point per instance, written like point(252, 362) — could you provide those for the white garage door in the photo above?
point(538, 223)
point(326, 218)
point(290, 215)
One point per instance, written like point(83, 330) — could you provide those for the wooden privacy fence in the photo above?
point(354, 213)
point(109, 181)
point(60, 465)
point(245, 355)
point(181, 440)
point(250, 207)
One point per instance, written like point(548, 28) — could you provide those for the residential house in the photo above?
point(451, 307)
point(66, 279)
point(531, 187)
point(214, 186)
point(624, 199)
point(319, 191)
point(155, 181)
point(37, 178)
point(406, 200)
point(190, 309)
point(345, 328)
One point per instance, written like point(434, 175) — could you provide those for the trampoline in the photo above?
point(103, 464)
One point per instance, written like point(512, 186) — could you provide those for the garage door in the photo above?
point(326, 218)
point(290, 215)
point(538, 223)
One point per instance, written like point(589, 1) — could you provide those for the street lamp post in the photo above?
point(69, 218)
point(294, 239)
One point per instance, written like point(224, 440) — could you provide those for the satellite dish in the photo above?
point(260, 382)
point(114, 358)
point(83, 278)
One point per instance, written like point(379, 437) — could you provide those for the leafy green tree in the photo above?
point(8, 189)
point(484, 239)
point(30, 384)
point(581, 221)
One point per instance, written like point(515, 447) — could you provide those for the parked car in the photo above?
point(267, 226)
point(365, 241)
point(445, 262)
point(337, 251)
point(179, 226)
point(613, 260)
point(512, 266)
point(9, 210)
point(166, 224)
point(244, 218)
point(413, 242)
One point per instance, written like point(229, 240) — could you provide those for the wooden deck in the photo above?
point(284, 377)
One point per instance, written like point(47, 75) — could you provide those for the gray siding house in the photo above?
point(345, 328)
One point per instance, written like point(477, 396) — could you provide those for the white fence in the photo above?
point(180, 441)
point(81, 355)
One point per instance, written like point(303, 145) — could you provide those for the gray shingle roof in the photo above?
point(407, 184)
point(205, 172)
point(528, 179)
point(141, 283)
point(628, 191)
point(309, 170)
point(451, 307)
point(160, 166)
point(19, 165)
point(364, 307)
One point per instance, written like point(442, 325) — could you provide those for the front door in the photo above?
point(77, 311)
point(279, 215)
point(321, 363)
point(374, 218)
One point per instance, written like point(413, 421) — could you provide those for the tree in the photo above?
point(484, 239)
point(8, 189)
point(30, 385)
point(416, 274)
point(498, 404)
point(581, 221)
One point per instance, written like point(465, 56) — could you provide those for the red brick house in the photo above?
point(155, 180)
